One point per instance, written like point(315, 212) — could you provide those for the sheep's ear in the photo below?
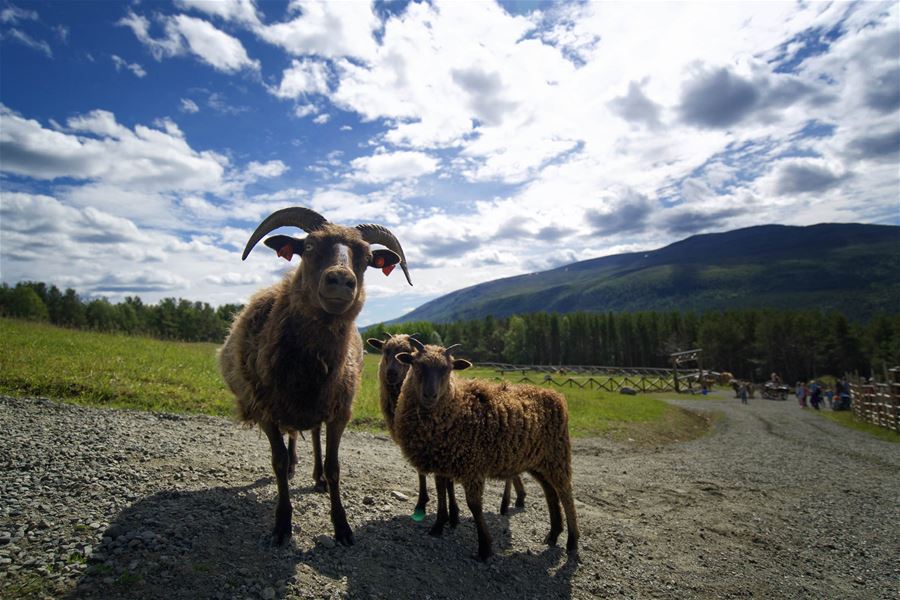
point(405, 357)
point(375, 343)
point(285, 246)
point(461, 364)
point(385, 260)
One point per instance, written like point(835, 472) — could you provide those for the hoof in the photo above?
point(437, 530)
point(291, 471)
point(520, 502)
point(484, 554)
point(551, 538)
point(344, 536)
point(280, 536)
point(321, 487)
point(418, 515)
point(504, 509)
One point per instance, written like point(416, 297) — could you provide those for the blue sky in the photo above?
point(141, 142)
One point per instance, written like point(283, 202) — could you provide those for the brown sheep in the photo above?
point(466, 430)
point(293, 358)
point(391, 373)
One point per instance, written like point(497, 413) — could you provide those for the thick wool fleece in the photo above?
point(485, 429)
point(390, 392)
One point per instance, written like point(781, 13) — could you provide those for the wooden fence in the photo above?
point(877, 403)
point(611, 384)
point(610, 379)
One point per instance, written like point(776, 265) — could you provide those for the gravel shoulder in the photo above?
point(775, 502)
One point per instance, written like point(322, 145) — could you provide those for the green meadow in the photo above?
point(119, 371)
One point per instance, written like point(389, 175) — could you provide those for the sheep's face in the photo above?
point(430, 369)
point(334, 261)
point(391, 370)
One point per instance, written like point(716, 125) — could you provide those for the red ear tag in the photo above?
point(379, 261)
point(387, 270)
point(286, 252)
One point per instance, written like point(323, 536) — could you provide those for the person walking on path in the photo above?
point(743, 393)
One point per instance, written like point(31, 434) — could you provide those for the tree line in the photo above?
point(170, 319)
point(750, 343)
point(797, 344)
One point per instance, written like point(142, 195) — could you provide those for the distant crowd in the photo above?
point(815, 394)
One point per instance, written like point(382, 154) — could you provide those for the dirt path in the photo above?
point(775, 503)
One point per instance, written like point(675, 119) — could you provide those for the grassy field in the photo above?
point(118, 371)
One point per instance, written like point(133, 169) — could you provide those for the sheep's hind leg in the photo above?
point(552, 507)
point(451, 501)
point(504, 501)
point(342, 532)
point(474, 491)
point(441, 484)
point(280, 464)
point(520, 492)
point(419, 512)
point(292, 454)
point(318, 478)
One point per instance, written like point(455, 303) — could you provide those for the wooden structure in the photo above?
point(877, 403)
point(683, 358)
point(640, 383)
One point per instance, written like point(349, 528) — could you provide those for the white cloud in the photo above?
point(329, 29)
point(322, 119)
point(17, 35)
point(387, 166)
point(243, 11)
point(303, 77)
point(185, 34)
point(135, 68)
point(189, 106)
point(14, 14)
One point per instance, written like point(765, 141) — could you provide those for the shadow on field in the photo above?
point(215, 544)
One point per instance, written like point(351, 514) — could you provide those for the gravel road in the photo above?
point(775, 502)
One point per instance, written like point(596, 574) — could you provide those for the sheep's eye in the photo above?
point(308, 247)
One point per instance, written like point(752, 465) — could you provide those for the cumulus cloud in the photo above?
point(388, 166)
point(303, 77)
point(329, 29)
point(242, 11)
point(803, 177)
point(629, 214)
point(98, 148)
point(636, 107)
point(185, 34)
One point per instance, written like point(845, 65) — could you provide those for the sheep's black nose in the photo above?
point(338, 282)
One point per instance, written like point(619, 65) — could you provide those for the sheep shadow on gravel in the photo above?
point(210, 543)
point(216, 543)
point(396, 558)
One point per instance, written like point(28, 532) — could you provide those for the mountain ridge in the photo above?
point(850, 267)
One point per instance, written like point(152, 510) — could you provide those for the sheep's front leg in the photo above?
point(281, 465)
point(320, 485)
point(520, 492)
point(342, 532)
point(292, 453)
point(441, 484)
point(419, 512)
point(474, 491)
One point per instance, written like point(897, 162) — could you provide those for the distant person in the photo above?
point(829, 396)
point(845, 395)
point(743, 393)
point(815, 398)
point(798, 391)
point(776, 380)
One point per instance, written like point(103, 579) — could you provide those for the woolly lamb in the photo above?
point(466, 430)
point(391, 373)
point(293, 358)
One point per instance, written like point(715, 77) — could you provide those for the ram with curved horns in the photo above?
point(293, 357)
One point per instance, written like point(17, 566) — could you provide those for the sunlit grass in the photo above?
point(846, 419)
point(100, 369)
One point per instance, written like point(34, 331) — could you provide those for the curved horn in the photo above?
point(376, 234)
point(296, 216)
point(419, 346)
point(450, 349)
